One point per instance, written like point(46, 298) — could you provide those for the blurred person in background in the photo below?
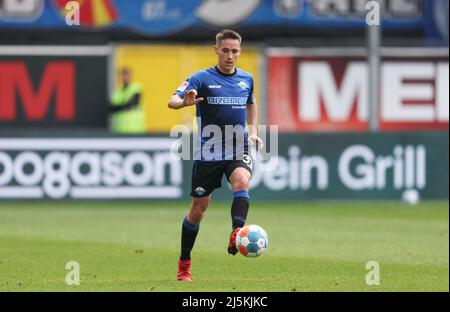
point(127, 115)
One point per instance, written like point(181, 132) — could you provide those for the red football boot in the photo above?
point(184, 270)
point(232, 243)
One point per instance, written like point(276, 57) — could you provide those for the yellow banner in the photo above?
point(160, 69)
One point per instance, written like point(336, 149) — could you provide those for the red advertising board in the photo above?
point(326, 90)
point(53, 87)
point(57, 78)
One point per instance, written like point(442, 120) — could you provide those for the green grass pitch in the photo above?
point(125, 246)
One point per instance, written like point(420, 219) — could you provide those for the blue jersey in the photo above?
point(225, 101)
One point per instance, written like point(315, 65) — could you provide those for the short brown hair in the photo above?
point(227, 34)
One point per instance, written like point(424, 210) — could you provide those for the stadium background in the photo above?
point(310, 64)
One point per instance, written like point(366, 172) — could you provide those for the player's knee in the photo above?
point(241, 183)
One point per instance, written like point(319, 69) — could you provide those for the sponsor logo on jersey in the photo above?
point(214, 86)
point(227, 100)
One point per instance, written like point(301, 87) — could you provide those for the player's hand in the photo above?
point(255, 140)
point(190, 98)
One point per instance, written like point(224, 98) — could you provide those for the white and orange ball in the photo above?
point(252, 240)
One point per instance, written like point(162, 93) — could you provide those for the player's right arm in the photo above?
point(189, 99)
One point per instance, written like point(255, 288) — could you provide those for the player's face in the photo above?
point(227, 53)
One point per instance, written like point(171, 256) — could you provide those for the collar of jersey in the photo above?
point(223, 74)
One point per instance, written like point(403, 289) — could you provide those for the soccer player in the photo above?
point(223, 96)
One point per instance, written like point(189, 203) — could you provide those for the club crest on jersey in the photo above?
point(183, 86)
point(243, 85)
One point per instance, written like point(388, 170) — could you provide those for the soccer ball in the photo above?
point(411, 197)
point(252, 240)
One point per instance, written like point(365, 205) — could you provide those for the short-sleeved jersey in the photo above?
point(225, 101)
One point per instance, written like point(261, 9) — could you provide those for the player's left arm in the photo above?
point(252, 123)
